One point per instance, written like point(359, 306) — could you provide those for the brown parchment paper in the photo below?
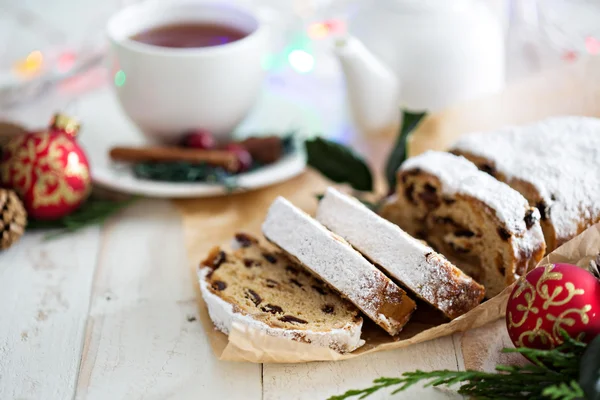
point(254, 346)
point(574, 90)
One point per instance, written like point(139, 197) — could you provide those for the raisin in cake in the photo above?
point(481, 224)
point(332, 259)
point(554, 164)
point(269, 292)
point(426, 273)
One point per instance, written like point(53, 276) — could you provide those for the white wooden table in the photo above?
point(110, 313)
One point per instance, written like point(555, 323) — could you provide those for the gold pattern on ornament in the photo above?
point(550, 298)
point(566, 318)
point(69, 125)
point(25, 163)
point(522, 286)
point(537, 333)
point(19, 165)
point(63, 191)
point(563, 320)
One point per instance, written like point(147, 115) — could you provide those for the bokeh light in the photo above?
point(31, 65)
point(323, 29)
point(35, 58)
point(592, 45)
point(318, 30)
point(120, 78)
point(301, 61)
point(65, 61)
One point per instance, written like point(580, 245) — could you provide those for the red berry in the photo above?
point(199, 139)
point(243, 156)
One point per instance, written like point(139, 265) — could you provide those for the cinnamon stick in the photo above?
point(225, 159)
point(267, 149)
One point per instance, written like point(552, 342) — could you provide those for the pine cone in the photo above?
point(13, 218)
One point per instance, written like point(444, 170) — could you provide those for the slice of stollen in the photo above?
point(480, 224)
point(553, 163)
point(418, 267)
point(332, 259)
point(269, 292)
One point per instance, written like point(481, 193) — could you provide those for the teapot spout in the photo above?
point(373, 89)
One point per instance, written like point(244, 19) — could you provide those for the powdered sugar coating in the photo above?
point(223, 315)
point(460, 176)
point(530, 243)
point(559, 156)
point(337, 263)
point(416, 265)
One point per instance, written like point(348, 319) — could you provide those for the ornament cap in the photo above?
point(64, 123)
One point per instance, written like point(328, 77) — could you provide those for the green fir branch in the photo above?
point(553, 375)
point(93, 212)
point(564, 391)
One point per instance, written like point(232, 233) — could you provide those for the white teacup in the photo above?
point(167, 91)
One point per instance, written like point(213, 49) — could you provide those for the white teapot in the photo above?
point(421, 55)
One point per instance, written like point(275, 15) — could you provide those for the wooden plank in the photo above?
point(143, 338)
point(481, 348)
point(44, 299)
point(321, 380)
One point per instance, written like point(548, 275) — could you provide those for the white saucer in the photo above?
point(104, 125)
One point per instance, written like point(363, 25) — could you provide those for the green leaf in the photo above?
point(94, 211)
point(398, 154)
point(339, 163)
point(563, 391)
point(589, 375)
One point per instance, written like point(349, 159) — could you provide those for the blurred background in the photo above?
point(59, 45)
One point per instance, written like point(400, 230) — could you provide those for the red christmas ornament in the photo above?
point(62, 123)
point(48, 170)
point(552, 298)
